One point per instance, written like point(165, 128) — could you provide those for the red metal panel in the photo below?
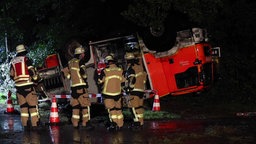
point(156, 75)
point(51, 61)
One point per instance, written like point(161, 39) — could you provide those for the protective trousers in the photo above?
point(136, 105)
point(114, 108)
point(80, 105)
point(28, 102)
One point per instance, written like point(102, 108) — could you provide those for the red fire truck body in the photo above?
point(187, 67)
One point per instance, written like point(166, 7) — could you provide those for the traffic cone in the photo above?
point(10, 108)
point(54, 116)
point(156, 104)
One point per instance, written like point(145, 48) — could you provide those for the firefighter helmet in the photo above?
point(131, 43)
point(109, 58)
point(20, 48)
point(79, 50)
point(129, 56)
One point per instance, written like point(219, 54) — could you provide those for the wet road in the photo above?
point(234, 130)
point(12, 132)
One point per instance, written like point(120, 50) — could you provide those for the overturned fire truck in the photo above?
point(190, 66)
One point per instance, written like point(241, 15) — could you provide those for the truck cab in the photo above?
point(190, 66)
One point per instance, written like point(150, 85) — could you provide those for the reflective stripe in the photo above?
point(107, 79)
point(120, 116)
point(140, 115)
point(135, 115)
point(85, 115)
point(35, 77)
point(84, 76)
point(79, 84)
point(115, 68)
point(21, 76)
point(21, 79)
point(29, 67)
point(88, 108)
point(100, 81)
point(112, 94)
point(114, 116)
point(37, 111)
point(23, 84)
point(24, 115)
point(110, 119)
point(76, 116)
point(34, 114)
point(137, 89)
point(76, 69)
point(138, 74)
point(84, 68)
point(68, 76)
point(113, 76)
point(131, 75)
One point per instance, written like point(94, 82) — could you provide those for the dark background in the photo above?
point(230, 23)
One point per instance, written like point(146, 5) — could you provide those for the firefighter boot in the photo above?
point(112, 126)
point(38, 127)
point(136, 126)
point(118, 128)
point(88, 126)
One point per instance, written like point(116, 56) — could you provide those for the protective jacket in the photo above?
point(112, 77)
point(80, 102)
point(20, 71)
point(23, 73)
point(140, 76)
point(77, 73)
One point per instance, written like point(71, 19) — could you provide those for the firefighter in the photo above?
point(112, 78)
point(137, 89)
point(23, 73)
point(79, 101)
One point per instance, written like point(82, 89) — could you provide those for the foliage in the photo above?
point(3, 55)
point(5, 81)
point(201, 12)
point(40, 51)
point(37, 54)
point(48, 24)
point(148, 13)
point(237, 71)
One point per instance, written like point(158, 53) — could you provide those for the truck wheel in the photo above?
point(69, 49)
point(158, 42)
point(163, 37)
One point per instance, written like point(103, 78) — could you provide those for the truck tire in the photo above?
point(175, 21)
point(70, 48)
point(159, 43)
point(68, 51)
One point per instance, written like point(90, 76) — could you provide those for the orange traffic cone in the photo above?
point(54, 116)
point(10, 108)
point(156, 104)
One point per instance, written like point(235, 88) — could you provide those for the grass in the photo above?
point(149, 115)
point(3, 98)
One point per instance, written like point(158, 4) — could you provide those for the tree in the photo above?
point(161, 19)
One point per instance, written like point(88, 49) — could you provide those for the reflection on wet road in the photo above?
point(153, 132)
point(10, 123)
